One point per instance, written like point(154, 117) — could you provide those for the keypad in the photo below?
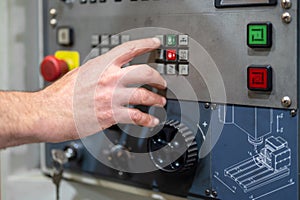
point(172, 58)
point(103, 43)
point(173, 54)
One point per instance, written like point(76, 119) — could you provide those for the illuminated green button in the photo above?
point(259, 35)
point(171, 40)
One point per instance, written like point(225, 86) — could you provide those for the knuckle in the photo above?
point(115, 76)
point(142, 95)
point(109, 78)
point(103, 97)
point(106, 115)
point(103, 80)
point(136, 116)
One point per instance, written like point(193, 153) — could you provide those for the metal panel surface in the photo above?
point(221, 32)
point(246, 141)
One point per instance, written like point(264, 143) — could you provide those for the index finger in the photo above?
point(126, 52)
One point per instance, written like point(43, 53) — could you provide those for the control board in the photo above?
point(230, 126)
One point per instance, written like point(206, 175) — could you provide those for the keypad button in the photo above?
point(183, 40)
point(183, 69)
point(95, 40)
point(259, 78)
point(104, 50)
point(183, 54)
point(125, 38)
point(171, 40)
point(104, 40)
point(161, 38)
point(115, 40)
point(171, 55)
point(94, 53)
point(160, 55)
point(259, 35)
point(65, 36)
point(171, 69)
point(160, 68)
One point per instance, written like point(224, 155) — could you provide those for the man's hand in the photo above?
point(86, 100)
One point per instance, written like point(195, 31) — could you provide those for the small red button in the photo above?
point(53, 68)
point(171, 55)
point(260, 78)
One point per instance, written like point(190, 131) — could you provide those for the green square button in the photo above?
point(171, 40)
point(259, 35)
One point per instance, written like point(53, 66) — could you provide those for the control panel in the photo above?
point(229, 129)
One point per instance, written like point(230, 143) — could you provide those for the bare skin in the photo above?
point(48, 115)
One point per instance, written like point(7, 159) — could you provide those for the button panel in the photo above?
point(105, 42)
point(174, 54)
point(171, 58)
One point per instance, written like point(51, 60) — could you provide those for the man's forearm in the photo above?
point(18, 117)
point(85, 101)
point(36, 117)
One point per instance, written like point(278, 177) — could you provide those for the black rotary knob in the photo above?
point(174, 147)
point(119, 156)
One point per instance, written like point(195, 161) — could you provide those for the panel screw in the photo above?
point(293, 113)
point(120, 173)
point(207, 105)
point(286, 101)
point(214, 193)
point(214, 106)
point(53, 22)
point(207, 192)
point(53, 12)
point(286, 17)
point(286, 4)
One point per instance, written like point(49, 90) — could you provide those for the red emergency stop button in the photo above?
point(260, 78)
point(53, 68)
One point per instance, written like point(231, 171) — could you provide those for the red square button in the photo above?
point(171, 55)
point(260, 78)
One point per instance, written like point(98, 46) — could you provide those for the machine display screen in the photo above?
point(237, 3)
